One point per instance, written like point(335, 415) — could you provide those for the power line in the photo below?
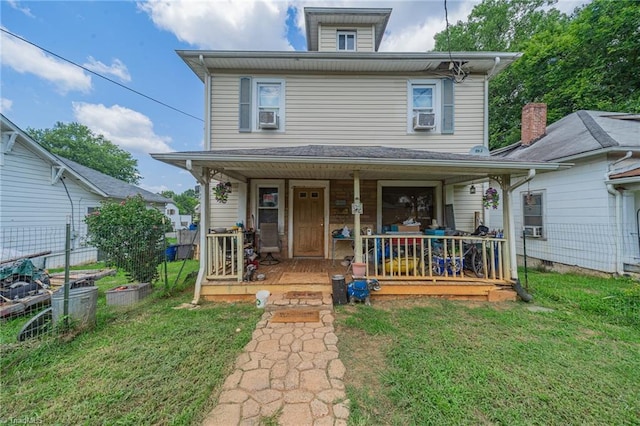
point(100, 75)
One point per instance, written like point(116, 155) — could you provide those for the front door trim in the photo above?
point(324, 184)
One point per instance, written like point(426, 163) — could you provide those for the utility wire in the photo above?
point(100, 75)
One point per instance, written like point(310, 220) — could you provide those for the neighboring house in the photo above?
point(342, 134)
point(588, 215)
point(41, 192)
point(178, 221)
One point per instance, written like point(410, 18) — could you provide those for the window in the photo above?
point(268, 204)
point(347, 41)
point(532, 212)
point(400, 203)
point(430, 106)
point(261, 105)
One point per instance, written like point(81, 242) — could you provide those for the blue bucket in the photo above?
point(171, 253)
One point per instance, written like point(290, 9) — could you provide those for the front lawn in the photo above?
point(145, 364)
point(445, 362)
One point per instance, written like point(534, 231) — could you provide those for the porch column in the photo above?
point(203, 228)
point(508, 223)
point(356, 209)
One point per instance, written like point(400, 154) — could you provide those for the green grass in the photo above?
point(444, 362)
point(144, 364)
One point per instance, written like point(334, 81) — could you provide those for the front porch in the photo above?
point(405, 266)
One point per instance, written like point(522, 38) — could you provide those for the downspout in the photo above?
point(513, 263)
point(205, 203)
point(618, 215)
point(485, 135)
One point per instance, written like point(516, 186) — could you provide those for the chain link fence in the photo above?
point(36, 262)
point(590, 248)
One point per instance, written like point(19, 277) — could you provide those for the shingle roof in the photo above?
point(579, 134)
point(114, 188)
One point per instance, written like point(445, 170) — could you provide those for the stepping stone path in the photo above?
point(289, 372)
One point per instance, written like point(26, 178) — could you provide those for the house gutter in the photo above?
point(513, 263)
point(618, 214)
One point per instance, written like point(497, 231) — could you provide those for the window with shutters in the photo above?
point(430, 106)
point(262, 105)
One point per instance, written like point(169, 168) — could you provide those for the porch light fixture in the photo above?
point(472, 189)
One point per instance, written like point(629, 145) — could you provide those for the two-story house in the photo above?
point(386, 144)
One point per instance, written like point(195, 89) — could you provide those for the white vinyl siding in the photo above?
point(339, 110)
point(227, 214)
point(32, 207)
point(465, 207)
point(328, 38)
point(574, 200)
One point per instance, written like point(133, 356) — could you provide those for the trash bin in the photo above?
point(83, 304)
point(261, 298)
point(339, 290)
point(171, 253)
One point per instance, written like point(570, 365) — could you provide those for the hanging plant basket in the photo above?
point(221, 192)
point(491, 198)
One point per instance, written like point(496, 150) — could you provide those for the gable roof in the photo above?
point(314, 16)
point(110, 186)
point(95, 181)
point(580, 134)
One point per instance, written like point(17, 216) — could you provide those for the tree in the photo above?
point(131, 236)
point(586, 61)
point(186, 202)
point(78, 143)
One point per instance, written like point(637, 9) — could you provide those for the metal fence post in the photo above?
point(67, 262)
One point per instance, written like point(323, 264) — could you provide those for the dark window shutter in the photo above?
point(447, 107)
point(244, 119)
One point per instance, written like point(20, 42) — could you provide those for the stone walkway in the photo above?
point(289, 372)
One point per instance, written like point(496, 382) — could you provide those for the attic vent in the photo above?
point(424, 120)
point(268, 119)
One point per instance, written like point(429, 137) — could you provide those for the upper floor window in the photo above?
point(262, 104)
point(347, 40)
point(430, 106)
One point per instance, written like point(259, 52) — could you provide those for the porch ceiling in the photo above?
point(336, 162)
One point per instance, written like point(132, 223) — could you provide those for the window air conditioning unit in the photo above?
point(268, 119)
point(533, 231)
point(424, 120)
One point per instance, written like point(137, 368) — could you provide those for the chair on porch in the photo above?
point(269, 243)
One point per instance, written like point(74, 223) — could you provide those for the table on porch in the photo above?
point(333, 246)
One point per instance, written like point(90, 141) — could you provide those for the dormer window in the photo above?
point(347, 41)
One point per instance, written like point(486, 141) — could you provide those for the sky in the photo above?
point(133, 44)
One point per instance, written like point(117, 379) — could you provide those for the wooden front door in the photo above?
point(308, 222)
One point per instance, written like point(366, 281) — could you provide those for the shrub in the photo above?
point(130, 234)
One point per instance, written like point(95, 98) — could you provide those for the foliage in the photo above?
point(186, 202)
point(221, 192)
point(491, 198)
point(78, 143)
point(586, 61)
point(131, 236)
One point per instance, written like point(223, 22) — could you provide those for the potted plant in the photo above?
point(491, 198)
point(221, 192)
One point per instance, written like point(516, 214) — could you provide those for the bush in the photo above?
point(131, 236)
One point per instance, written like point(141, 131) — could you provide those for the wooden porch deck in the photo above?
point(316, 275)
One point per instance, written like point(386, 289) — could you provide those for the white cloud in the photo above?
point(5, 105)
point(26, 58)
point(117, 68)
point(16, 5)
point(129, 129)
point(223, 25)
point(156, 189)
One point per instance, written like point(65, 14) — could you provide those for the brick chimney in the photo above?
point(534, 123)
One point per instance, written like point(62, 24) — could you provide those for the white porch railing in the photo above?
point(225, 257)
point(420, 257)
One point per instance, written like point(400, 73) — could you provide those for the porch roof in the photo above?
point(339, 162)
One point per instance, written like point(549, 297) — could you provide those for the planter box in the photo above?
point(128, 294)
